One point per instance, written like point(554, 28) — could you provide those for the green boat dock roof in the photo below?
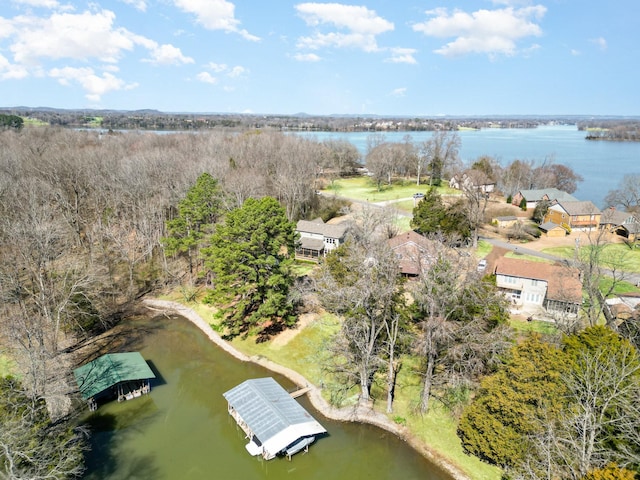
point(109, 370)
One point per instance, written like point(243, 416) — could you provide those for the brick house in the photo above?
point(412, 251)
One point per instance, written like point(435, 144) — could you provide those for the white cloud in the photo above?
point(307, 57)
point(232, 72)
point(94, 85)
point(38, 3)
point(215, 15)
point(168, 55)
point(237, 71)
point(217, 67)
point(492, 32)
point(353, 18)
point(137, 4)
point(399, 92)
point(575, 52)
point(68, 38)
point(76, 36)
point(600, 42)
point(9, 71)
point(402, 55)
point(206, 77)
point(361, 25)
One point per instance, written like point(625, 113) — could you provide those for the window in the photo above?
point(532, 297)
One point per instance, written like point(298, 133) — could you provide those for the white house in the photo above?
point(533, 286)
point(318, 238)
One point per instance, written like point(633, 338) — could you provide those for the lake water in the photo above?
point(182, 429)
point(602, 164)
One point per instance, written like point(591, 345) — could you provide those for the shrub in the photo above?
point(523, 205)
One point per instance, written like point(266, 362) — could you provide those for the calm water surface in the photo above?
point(602, 164)
point(182, 429)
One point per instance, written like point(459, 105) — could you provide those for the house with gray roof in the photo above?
point(533, 197)
point(318, 238)
point(621, 223)
point(577, 215)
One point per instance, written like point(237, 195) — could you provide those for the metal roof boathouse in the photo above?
point(121, 375)
point(273, 421)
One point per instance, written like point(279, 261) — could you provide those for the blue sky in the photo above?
point(385, 57)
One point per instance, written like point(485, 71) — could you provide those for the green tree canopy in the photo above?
point(197, 213)
point(250, 259)
point(497, 426)
point(432, 216)
point(559, 411)
point(429, 213)
point(11, 121)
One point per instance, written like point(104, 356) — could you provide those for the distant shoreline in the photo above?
point(348, 414)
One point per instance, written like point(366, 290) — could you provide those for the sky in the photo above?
point(371, 57)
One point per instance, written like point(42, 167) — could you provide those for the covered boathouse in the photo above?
point(274, 422)
point(122, 376)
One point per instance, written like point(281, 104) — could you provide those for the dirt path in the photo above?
point(359, 413)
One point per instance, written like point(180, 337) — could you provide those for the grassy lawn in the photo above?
point(33, 122)
point(437, 428)
point(301, 353)
point(7, 366)
point(530, 258)
point(363, 188)
point(620, 288)
point(614, 253)
point(537, 326)
point(484, 249)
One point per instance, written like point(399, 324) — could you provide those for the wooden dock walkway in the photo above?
point(299, 393)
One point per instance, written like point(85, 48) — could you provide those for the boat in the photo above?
point(300, 444)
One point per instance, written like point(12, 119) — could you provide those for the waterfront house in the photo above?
point(318, 238)
point(577, 215)
point(472, 180)
point(533, 197)
point(274, 422)
point(539, 286)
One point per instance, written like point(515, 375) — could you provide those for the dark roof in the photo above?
point(109, 370)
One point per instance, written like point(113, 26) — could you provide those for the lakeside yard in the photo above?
point(303, 349)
